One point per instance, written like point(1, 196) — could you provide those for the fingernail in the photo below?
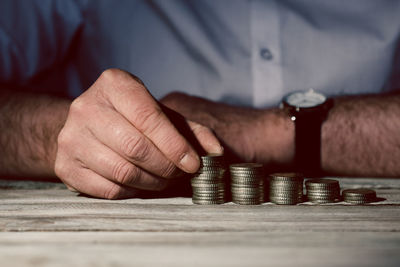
point(217, 149)
point(190, 162)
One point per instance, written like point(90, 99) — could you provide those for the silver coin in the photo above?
point(249, 185)
point(286, 184)
point(358, 201)
point(235, 180)
point(322, 194)
point(245, 166)
point(206, 184)
point(212, 159)
point(216, 199)
point(208, 176)
point(248, 197)
point(212, 180)
point(280, 196)
point(361, 192)
point(208, 202)
point(359, 198)
point(290, 176)
point(323, 191)
point(322, 201)
point(285, 197)
point(209, 170)
point(322, 182)
point(322, 197)
point(208, 194)
point(245, 186)
point(278, 202)
point(246, 189)
point(286, 189)
point(246, 176)
point(240, 202)
point(285, 194)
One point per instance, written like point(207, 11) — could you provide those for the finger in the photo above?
point(123, 138)
point(88, 182)
point(206, 138)
point(135, 103)
point(105, 162)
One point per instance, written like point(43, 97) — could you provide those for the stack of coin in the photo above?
point(286, 188)
point(208, 184)
point(247, 183)
point(359, 196)
point(323, 190)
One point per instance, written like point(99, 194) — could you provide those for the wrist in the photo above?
point(31, 127)
point(276, 135)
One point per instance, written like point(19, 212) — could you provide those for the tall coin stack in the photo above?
point(359, 196)
point(286, 188)
point(247, 183)
point(208, 184)
point(323, 190)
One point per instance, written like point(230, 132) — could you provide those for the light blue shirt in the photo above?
point(242, 52)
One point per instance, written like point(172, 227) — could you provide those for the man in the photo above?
point(115, 139)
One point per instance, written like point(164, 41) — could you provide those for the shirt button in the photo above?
point(266, 54)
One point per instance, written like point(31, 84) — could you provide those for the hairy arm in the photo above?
point(361, 136)
point(113, 141)
point(29, 128)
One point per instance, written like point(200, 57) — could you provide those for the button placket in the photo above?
point(266, 61)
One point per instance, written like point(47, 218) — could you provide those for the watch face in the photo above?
point(305, 99)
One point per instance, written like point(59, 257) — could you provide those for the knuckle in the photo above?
point(177, 148)
point(169, 171)
point(198, 128)
point(148, 117)
point(111, 74)
point(78, 106)
point(125, 173)
point(135, 148)
point(64, 138)
point(114, 192)
point(60, 168)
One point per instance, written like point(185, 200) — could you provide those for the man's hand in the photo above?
point(248, 134)
point(117, 140)
point(361, 136)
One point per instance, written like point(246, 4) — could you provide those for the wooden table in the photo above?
point(51, 226)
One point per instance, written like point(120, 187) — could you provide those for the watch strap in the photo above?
point(308, 145)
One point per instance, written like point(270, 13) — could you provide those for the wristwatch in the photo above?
point(308, 110)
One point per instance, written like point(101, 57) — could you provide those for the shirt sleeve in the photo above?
point(35, 35)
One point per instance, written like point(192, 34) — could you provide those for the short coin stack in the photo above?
point(247, 183)
point(286, 188)
point(323, 190)
point(208, 184)
point(359, 196)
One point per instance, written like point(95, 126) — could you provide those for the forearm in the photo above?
point(361, 137)
point(248, 134)
point(29, 128)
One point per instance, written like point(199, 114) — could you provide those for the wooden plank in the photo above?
point(199, 249)
point(55, 227)
point(60, 210)
point(345, 183)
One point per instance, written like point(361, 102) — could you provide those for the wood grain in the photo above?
point(55, 227)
